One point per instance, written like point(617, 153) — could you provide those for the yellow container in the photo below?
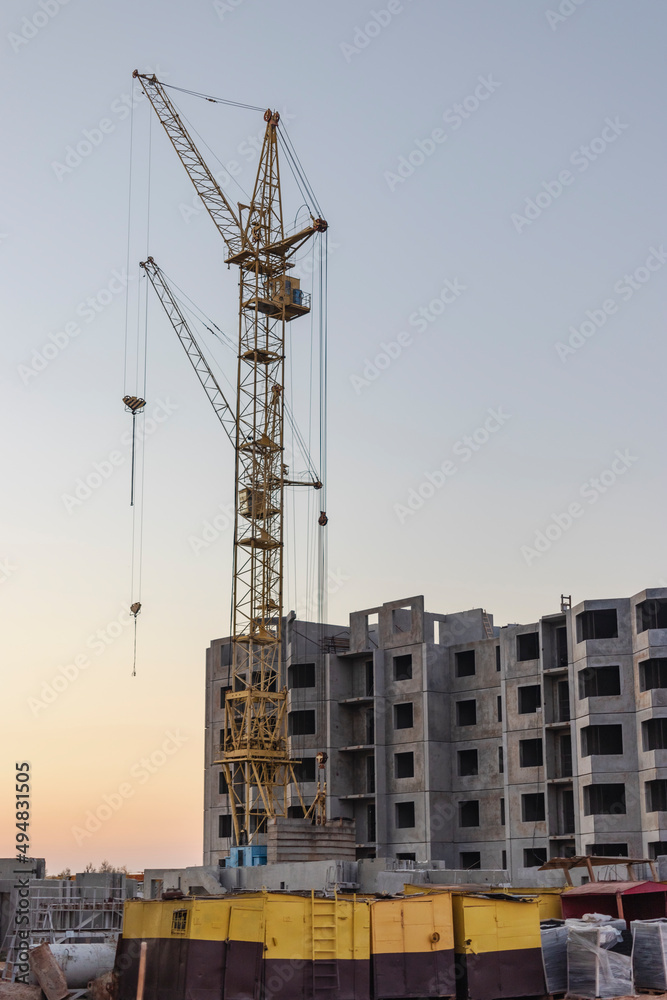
point(412, 941)
point(247, 947)
point(498, 946)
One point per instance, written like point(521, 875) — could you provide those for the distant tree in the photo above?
point(106, 866)
point(65, 873)
point(90, 867)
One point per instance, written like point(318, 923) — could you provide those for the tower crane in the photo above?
point(254, 757)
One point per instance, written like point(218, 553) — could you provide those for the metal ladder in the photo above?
point(324, 932)
point(488, 627)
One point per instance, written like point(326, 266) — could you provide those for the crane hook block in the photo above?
point(320, 225)
point(135, 608)
point(134, 404)
point(322, 519)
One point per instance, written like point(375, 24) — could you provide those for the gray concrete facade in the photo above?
point(452, 740)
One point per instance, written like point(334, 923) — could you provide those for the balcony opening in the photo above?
point(653, 673)
point(370, 774)
point(301, 723)
point(465, 663)
point(566, 811)
point(601, 624)
point(602, 741)
point(604, 800)
point(652, 614)
point(223, 787)
point(405, 815)
point(403, 716)
point(301, 675)
point(404, 765)
point(530, 699)
point(370, 727)
point(224, 826)
point(607, 850)
point(563, 701)
point(533, 857)
point(306, 770)
point(406, 856)
point(564, 756)
point(470, 861)
point(370, 824)
point(370, 679)
point(401, 619)
point(467, 760)
point(403, 667)
point(530, 753)
point(469, 813)
point(599, 682)
point(466, 713)
point(654, 734)
point(656, 795)
point(562, 657)
point(528, 646)
point(657, 848)
point(532, 807)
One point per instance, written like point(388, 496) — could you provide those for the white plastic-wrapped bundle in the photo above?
point(649, 953)
point(592, 970)
point(554, 954)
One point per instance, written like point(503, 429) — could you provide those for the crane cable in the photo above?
point(298, 171)
point(213, 100)
point(324, 362)
point(137, 405)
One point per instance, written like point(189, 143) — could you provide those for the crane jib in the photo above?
point(254, 753)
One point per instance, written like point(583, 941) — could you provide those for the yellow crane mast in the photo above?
point(254, 756)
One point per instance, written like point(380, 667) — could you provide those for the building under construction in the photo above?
point(452, 740)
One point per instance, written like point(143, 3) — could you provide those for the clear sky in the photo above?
point(493, 175)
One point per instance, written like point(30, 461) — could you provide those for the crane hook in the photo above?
point(322, 519)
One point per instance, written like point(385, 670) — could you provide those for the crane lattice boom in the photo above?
point(254, 756)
